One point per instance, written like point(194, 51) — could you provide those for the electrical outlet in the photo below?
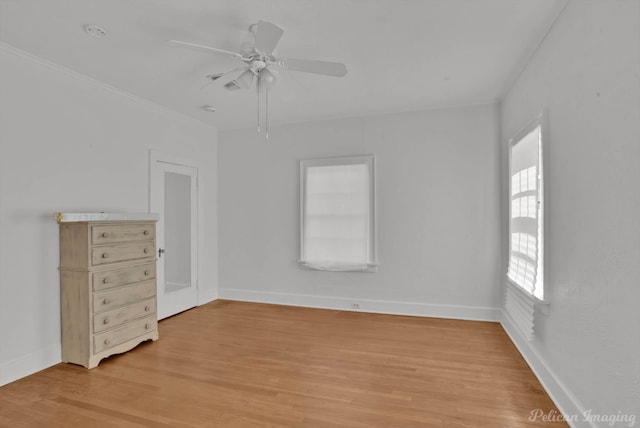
point(355, 306)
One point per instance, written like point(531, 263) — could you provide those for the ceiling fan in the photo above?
point(260, 62)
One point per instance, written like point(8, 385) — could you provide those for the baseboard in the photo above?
point(207, 296)
point(29, 364)
point(476, 313)
point(566, 402)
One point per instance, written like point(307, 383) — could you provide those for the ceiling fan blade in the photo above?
point(327, 68)
point(267, 37)
point(221, 51)
point(224, 79)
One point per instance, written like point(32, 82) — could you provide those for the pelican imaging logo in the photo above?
point(611, 419)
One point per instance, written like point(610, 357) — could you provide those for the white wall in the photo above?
point(586, 75)
point(67, 144)
point(437, 205)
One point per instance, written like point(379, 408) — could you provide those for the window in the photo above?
point(337, 216)
point(526, 234)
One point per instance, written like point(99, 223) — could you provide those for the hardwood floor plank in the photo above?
point(235, 364)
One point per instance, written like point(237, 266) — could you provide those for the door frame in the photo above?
point(157, 158)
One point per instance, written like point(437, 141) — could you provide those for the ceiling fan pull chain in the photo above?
point(258, 92)
point(266, 113)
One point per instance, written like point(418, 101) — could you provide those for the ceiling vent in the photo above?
point(95, 30)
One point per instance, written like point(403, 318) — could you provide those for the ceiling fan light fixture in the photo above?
point(266, 77)
point(245, 80)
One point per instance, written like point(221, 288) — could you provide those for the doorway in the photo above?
point(173, 194)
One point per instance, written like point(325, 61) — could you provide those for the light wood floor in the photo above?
point(232, 364)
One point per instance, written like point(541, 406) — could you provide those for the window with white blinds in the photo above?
point(525, 220)
point(337, 218)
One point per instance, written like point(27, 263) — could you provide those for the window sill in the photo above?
point(368, 268)
point(540, 305)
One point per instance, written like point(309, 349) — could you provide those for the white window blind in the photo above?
point(525, 270)
point(337, 216)
point(520, 309)
point(525, 260)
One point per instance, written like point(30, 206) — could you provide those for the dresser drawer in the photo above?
point(119, 277)
point(110, 234)
point(116, 253)
point(123, 315)
point(123, 296)
point(120, 335)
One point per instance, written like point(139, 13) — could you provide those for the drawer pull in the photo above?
point(146, 232)
point(147, 326)
point(105, 321)
point(146, 308)
point(146, 272)
point(105, 280)
point(106, 302)
point(105, 234)
point(146, 250)
point(105, 255)
point(107, 341)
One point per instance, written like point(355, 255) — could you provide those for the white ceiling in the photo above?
point(400, 54)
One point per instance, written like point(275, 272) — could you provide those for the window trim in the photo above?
point(369, 160)
point(539, 121)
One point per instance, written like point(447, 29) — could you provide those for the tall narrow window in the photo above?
point(526, 247)
point(337, 218)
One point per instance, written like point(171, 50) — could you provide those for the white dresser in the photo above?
point(108, 284)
